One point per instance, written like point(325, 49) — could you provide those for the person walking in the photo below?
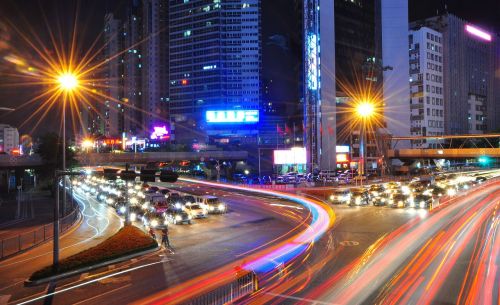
point(164, 238)
point(152, 233)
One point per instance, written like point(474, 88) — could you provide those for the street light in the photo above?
point(365, 110)
point(67, 83)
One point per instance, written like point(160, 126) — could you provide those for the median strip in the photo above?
point(127, 243)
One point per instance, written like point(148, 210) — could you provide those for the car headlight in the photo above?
point(451, 192)
point(178, 206)
point(145, 206)
point(123, 209)
point(383, 199)
point(133, 216)
point(178, 217)
point(154, 223)
point(109, 201)
point(405, 189)
point(400, 204)
point(133, 200)
point(375, 194)
point(358, 200)
point(189, 217)
point(221, 207)
point(332, 198)
point(422, 204)
point(211, 208)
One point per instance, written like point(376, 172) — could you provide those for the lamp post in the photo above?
point(365, 111)
point(68, 82)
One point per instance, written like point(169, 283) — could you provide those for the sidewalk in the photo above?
point(43, 209)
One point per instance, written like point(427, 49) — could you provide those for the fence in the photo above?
point(229, 293)
point(24, 241)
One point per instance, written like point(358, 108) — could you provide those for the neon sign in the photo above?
point(160, 133)
point(232, 116)
point(312, 61)
point(477, 32)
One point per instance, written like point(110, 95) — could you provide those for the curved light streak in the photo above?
point(322, 219)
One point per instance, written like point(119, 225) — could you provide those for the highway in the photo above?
point(371, 255)
point(208, 244)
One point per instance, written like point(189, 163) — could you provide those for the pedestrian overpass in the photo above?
point(97, 159)
point(469, 146)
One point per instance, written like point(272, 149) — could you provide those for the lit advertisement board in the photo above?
point(342, 149)
point(296, 155)
point(477, 32)
point(312, 61)
point(232, 116)
point(160, 133)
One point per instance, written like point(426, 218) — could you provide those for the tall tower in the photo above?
point(319, 84)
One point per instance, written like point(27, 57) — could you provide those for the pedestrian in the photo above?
point(152, 233)
point(164, 238)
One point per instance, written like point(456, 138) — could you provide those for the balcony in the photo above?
point(416, 117)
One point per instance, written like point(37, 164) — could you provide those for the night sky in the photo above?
point(279, 35)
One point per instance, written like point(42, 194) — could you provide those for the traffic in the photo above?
point(420, 193)
point(152, 206)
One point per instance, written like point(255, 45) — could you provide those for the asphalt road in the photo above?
point(199, 248)
point(367, 248)
point(449, 256)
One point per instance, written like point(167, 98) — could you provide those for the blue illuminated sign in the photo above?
point(232, 116)
point(312, 61)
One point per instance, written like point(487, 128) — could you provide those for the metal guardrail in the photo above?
point(229, 293)
point(28, 240)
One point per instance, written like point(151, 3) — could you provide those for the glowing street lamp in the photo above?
point(67, 81)
point(365, 111)
point(86, 144)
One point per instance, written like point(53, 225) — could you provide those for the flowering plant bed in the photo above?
point(128, 240)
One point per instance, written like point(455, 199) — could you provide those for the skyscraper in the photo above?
point(468, 72)
point(426, 81)
point(342, 60)
point(215, 62)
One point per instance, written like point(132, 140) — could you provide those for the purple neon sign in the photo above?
point(477, 32)
point(160, 133)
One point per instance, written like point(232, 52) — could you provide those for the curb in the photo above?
point(28, 283)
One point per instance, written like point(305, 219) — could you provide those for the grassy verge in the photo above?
point(127, 241)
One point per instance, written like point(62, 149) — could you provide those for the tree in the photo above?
point(50, 150)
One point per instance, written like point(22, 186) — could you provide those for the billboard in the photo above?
point(477, 32)
point(296, 155)
point(232, 116)
point(160, 133)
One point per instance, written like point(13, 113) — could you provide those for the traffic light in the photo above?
point(110, 173)
point(148, 175)
point(168, 176)
point(128, 175)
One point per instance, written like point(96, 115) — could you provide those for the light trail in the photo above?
point(263, 261)
point(428, 250)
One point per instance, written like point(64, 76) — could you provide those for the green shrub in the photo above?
point(128, 240)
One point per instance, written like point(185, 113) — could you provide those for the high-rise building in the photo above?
point(426, 85)
point(155, 62)
point(468, 74)
point(136, 54)
point(112, 111)
point(342, 62)
point(9, 138)
point(215, 63)
point(395, 66)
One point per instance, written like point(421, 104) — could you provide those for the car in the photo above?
point(177, 216)
point(152, 190)
point(165, 191)
point(376, 190)
point(437, 191)
point(422, 201)
point(196, 210)
point(280, 180)
point(175, 202)
point(359, 196)
point(481, 179)
point(267, 180)
point(254, 180)
point(340, 196)
point(399, 200)
point(212, 204)
point(380, 200)
point(154, 220)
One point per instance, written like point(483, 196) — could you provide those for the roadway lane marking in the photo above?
point(298, 299)
point(103, 294)
point(4, 299)
point(349, 243)
point(84, 275)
